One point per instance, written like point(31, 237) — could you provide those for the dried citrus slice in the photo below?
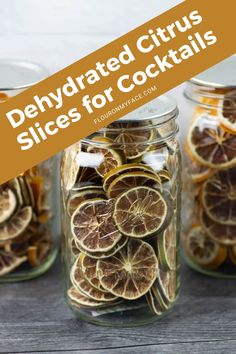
point(140, 212)
point(82, 196)
point(154, 304)
point(70, 166)
point(88, 174)
point(131, 139)
point(211, 145)
point(26, 191)
point(116, 172)
point(167, 248)
point(98, 255)
point(93, 226)
point(232, 254)
point(108, 158)
point(131, 272)
point(80, 300)
point(88, 268)
point(130, 180)
point(227, 115)
point(219, 196)
point(221, 233)
point(203, 250)
point(81, 284)
point(74, 249)
point(167, 285)
point(164, 175)
point(16, 225)
point(9, 262)
point(8, 204)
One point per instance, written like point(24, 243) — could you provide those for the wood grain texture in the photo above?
point(34, 318)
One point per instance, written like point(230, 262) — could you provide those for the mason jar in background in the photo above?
point(209, 211)
point(121, 218)
point(28, 231)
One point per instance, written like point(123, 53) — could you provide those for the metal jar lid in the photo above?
point(159, 110)
point(20, 74)
point(222, 75)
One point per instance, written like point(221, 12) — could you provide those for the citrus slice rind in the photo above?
point(16, 225)
point(81, 196)
point(130, 273)
point(154, 304)
point(202, 250)
point(26, 191)
point(9, 262)
point(88, 268)
point(93, 226)
point(130, 180)
point(83, 286)
point(220, 233)
point(164, 175)
point(98, 255)
point(140, 212)
point(219, 196)
point(211, 145)
point(8, 204)
point(80, 300)
point(167, 248)
point(167, 286)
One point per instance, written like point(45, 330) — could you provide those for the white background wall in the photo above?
point(56, 33)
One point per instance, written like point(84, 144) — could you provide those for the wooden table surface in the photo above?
point(35, 319)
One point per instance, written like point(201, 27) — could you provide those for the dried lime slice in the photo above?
point(16, 225)
point(8, 204)
point(26, 191)
point(70, 166)
point(81, 196)
point(80, 300)
point(130, 180)
point(167, 248)
point(131, 272)
point(164, 175)
point(93, 226)
point(167, 284)
point(88, 268)
point(81, 284)
point(140, 212)
point(9, 262)
point(154, 304)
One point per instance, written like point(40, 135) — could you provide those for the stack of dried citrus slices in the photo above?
point(122, 236)
point(23, 217)
point(211, 153)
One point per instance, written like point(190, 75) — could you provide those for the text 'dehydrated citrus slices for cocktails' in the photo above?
point(130, 180)
point(167, 248)
point(8, 204)
point(81, 284)
point(130, 273)
point(108, 158)
point(81, 196)
point(211, 145)
point(80, 300)
point(88, 268)
point(16, 224)
point(8, 262)
point(219, 196)
point(140, 212)
point(93, 226)
point(227, 114)
point(221, 233)
point(131, 167)
point(203, 250)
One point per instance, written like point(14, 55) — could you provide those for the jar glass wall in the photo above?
point(27, 202)
point(209, 237)
point(120, 217)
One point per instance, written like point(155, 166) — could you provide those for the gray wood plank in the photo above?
point(34, 317)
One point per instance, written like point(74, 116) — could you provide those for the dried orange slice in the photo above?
point(131, 272)
point(9, 262)
point(131, 167)
point(167, 248)
point(131, 139)
point(80, 300)
point(203, 250)
point(211, 145)
point(227, 115)
point(88, 268)
point(81, 196)
point(219, 196)
point(81, 284)
point(140, 212)
point(221, 233)
point(93, 226)
point(130, 180)
point(3, 97)
point(16, 225)
point(108, 158)
point(8, 204)
point(70, 166)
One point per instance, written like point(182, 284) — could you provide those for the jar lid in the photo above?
point(222, 75)
point(160, 109)
point(20, 74)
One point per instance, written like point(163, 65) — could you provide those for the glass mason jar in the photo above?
point(209, 237)
point(27, 205)
point(120, 217)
